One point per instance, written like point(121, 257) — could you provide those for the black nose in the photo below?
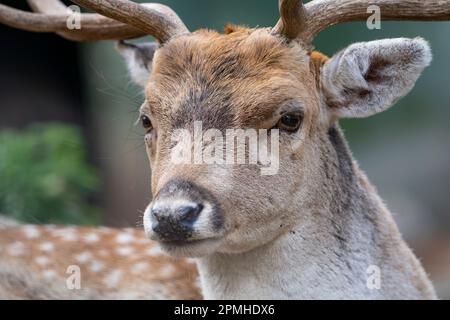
point(175, 223)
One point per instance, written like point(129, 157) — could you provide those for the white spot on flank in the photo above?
point(66, 234)
point(125, 251)
point(167, 271)
point(31, 232)
point(47, 246)
point(124, 238)
point(91, 238)
point(16, 249)
point(61, 231)
point(83, 257)
point(42, 261)
point(154, 251)
point(96, 266)
point(49, 274)
point(139, 267)
point(113, 278)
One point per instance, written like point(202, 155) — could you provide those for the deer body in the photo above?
point(57, 262)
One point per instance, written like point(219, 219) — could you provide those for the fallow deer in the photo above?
point(56, 262)
point(315, 228)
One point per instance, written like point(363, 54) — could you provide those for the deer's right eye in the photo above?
point(146, 123)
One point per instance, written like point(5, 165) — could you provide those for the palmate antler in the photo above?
point(307, 21)
point(116, 19)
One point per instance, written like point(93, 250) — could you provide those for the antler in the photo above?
point(307, 21)
point(292, 18)
point(155, 19)
point(118, 19)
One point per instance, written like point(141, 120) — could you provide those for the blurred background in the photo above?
point(70, 152)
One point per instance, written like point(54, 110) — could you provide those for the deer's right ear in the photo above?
point(369, 77)
point(139, 58)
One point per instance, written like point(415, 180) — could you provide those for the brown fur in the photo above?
point(24, 275)
point(269, 74)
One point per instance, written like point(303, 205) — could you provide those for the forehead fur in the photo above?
point(230, 79)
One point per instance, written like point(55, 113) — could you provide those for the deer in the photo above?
point(67, 262)
point(315, 228)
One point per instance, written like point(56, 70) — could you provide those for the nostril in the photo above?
point(189, 214)
point(156, 227)
point(157, 213)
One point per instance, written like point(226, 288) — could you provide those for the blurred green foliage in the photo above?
point(45, 177)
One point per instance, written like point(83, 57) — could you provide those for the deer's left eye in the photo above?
point(290, 122)
point(146, 123)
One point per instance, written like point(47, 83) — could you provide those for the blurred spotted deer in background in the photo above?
point(51, 262)
point(312, 230)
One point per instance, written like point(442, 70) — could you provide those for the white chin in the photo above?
point(192, 249)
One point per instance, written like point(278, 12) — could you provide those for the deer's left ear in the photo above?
point(139, 58)
point(369, 77)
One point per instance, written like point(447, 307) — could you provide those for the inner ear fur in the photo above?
point(317, 60)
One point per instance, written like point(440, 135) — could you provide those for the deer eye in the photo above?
point(146, 123)
point(290, 122)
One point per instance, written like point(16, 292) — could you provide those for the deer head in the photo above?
point(262, 79)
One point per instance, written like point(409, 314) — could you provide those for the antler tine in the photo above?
point(307, 21)
point(325, 13)
point(47, 6)
point(94, 26)
point(52, 16)
point(155, 19)
point(292, 18)
point(31, 22)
